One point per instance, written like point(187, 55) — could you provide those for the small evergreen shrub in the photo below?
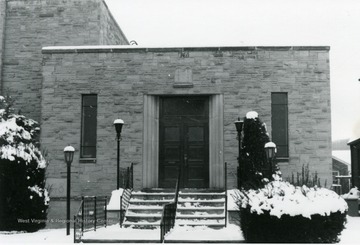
point(23, 197)
point(306, 178)
point(254, 166)
point(283, 213)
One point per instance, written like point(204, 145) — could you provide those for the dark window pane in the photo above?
point(89, 100)
point(196, 134)
point(88, 127)
point(279, 98)
point(172, 134)
point(279, 122)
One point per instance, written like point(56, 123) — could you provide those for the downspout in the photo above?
point(2, 45)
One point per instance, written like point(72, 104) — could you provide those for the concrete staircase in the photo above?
point(146, 207)
point(201, 207)
point(196, 207)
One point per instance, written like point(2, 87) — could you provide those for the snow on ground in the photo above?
point(201, 233)
point(115, 232)
point(350, 235)
point(49, 236)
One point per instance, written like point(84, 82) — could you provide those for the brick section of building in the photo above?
point(246, 76)
point(32, 24)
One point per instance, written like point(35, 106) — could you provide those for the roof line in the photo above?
point(133, 48)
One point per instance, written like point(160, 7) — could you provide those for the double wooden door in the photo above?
point(184, 141)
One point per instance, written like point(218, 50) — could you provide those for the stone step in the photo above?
point(200, 210)
point(142, 210)
point(158, 190)
point(199, 195)
point(142, 218)
point(194, 200)
point(216, 224)
point(200, 216)
point(142, 225)
point(142, 215)
point(141, 202)
point(153, 196)
point(207, 204)
point(195, 190)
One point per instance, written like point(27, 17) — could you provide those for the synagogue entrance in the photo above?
point(184, 141)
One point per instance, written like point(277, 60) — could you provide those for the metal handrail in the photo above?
point(90, 207)
point(169, 211)
point(177, 188)
point(77, 237)
point(124, 204)
point(125, 197)
point(226, 196)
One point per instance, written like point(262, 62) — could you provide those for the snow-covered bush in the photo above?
point(354, 193)
point(281, 212)
point(23, 197)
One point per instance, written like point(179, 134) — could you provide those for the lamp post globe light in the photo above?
point(270, 149)
point(69, 156)
point(238, 126)
point(118, 123)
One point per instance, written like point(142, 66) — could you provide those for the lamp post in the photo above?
point(118, 123)
point(69, 156)
point(239, 125)
point(270, 149)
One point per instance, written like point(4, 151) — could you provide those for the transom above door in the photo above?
point(184, 141)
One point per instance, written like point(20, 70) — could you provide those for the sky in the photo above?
point(334, 23)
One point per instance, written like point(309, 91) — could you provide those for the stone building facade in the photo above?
point(130, 81)
point(52, 75)
point(27, 26)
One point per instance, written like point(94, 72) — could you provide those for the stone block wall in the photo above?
point(110, 32)
point(2, 26)
point(32, 24)
point(246, 76)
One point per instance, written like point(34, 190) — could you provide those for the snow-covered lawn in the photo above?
point(349, 236)
point(49, 236)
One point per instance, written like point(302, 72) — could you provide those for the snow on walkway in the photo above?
point(203, 233)
point(350, 234)
point(114, 232)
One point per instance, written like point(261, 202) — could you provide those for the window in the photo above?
point(336, 181)
point(88, 126)
point(279, 122)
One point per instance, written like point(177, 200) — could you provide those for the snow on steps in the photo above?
point(146, 207)
point(197, 207)
point(201, 208)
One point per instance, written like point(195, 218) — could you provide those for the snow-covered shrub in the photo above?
point(281, 212)
point(354, 193)
point(23, 197)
